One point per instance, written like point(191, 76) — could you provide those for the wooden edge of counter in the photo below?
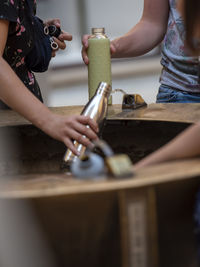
point(57, 184)
point(170, 112)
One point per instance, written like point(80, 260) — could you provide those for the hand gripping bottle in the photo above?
point(96, 109)
point(99, 67)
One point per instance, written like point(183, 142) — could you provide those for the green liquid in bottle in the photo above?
point(99, 68)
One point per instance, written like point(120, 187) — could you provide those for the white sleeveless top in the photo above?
point(180, 69)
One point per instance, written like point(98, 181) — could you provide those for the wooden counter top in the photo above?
point(186, 112)
point(178, 112)
point(57, 184)
point(36, 185)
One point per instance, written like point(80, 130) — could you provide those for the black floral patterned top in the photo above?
point(20, 40)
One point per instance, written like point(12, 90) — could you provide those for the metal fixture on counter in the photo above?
point(96, 166)
point(131, 101)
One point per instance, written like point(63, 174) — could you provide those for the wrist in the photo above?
point(42, 118)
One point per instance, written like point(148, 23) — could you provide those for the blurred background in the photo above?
point(66, 82)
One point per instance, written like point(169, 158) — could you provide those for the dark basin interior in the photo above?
point(26, 149)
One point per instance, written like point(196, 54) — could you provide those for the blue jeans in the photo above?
point(168, 95)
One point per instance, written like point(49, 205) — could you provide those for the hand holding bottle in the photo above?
point(99, 67)
point(86, 45)
point(96, 109)
point(69, 128)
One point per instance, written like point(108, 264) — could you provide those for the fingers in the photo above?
point(53, 53)
point(88, 121)
point(81, 139)
point(86, 131)
point(83, 126)
point(55, 22)
point(65, 36)
point(85, 40)
point(67, 128)
point(61, 44)
point(112, 49)
point(82, 129)
point(84, 48)
point(85, 56)
point(71, 146)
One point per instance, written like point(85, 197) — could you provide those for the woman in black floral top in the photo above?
point(19, 42)
point(16, 42)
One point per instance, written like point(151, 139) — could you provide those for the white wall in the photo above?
point(116, 16)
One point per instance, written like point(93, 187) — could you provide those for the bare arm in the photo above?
point(145, 35)
point(17, 96)
point(185, 145)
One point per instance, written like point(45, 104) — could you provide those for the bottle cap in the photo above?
point(98, 30)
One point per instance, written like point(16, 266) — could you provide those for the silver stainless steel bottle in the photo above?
point(96, 109)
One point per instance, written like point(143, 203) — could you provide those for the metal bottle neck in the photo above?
point(104, 89)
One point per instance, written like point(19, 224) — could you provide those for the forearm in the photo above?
point(14, 93)
point(139, 40)
point(148, 33)
point(185, 145)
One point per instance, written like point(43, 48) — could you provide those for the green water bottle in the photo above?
point(99, 68)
